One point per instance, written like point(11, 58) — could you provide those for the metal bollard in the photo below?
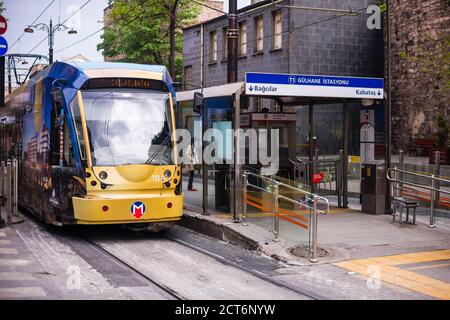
point(433, 198)
point(314, 231)
point(244, 202)
point(8, 190)
point(276, 219)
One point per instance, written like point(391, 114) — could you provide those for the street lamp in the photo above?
point(51, 33)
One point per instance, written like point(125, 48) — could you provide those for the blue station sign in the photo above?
point(298, 85)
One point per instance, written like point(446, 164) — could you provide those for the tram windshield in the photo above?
point(128, 126)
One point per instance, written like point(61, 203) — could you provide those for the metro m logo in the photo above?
point(137, 209)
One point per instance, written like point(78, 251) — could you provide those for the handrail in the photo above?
point(433, 178)
point(312, 195)
point(434, 192)
point(313, 198)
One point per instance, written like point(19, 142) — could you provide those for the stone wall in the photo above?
point(418, 31)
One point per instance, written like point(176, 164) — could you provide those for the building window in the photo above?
point(259, 34)
point(276, 30)
point(224, 44)
point(213, 47)
point(187, 79)
point(243, 38)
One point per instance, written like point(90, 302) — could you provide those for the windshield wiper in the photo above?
point(152, 157)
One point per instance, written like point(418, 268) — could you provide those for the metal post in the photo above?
point(244, 199)
point(9, 207)
point(2, 178)
point(437, 167)
point(16, 186)
point(9, 76)
point(345, 162)
point(401, 162)
point(50, 43)
point(339, 178)
point(393, 185)
point(433, 198)
point(232, 36)
point(388, 102)
point(314, 231)
point(2, 81)
point(276, 219)
point(311, 145)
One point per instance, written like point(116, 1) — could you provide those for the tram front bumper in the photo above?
point(128, 209)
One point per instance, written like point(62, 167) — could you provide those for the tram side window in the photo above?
point(75, 109)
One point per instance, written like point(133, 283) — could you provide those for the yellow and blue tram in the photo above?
point(95, 144)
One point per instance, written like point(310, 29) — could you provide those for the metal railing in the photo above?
point(9, 188)
point(311, 204)
point(399, 181)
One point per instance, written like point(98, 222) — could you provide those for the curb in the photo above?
point(228, 231)
point(198, 223)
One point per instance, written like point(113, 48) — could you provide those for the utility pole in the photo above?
point(232, 36)
point(2, 81)
point(388, 103)
point(50, 43)
point(232, 76)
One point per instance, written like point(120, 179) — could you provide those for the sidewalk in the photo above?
point(411, 257)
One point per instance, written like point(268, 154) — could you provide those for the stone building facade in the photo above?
point(312, 42)
point(420, 35)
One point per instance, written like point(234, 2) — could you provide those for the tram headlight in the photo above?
point(167, 173)
point(103, 175)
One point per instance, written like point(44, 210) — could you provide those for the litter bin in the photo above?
point(373, 187)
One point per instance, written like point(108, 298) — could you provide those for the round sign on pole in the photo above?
point(3, 25)
point(3, 46)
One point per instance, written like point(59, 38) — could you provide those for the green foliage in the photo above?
point(442, 134)
point(2, 7)
point(383, 7)
point(138, 31)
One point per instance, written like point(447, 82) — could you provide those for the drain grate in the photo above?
point(302, 251)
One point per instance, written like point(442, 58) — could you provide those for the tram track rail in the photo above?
point(177, 296)
point(251, 271)
point(77, 234)
point(164, 288)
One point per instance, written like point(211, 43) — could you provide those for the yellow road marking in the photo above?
point(404, 278)
point(439, 265)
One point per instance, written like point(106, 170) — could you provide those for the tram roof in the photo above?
point(85, 66)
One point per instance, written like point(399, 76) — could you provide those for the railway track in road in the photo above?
point(251, 271)
point(221, 259)
point(172, 293)
point(122, 271)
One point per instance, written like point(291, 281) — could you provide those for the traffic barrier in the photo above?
point(9, 188)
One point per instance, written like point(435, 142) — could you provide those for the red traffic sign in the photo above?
point(3, 25)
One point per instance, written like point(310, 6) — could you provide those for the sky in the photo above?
point(20, 13)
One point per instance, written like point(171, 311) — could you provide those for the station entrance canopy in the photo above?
point(310, 93)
